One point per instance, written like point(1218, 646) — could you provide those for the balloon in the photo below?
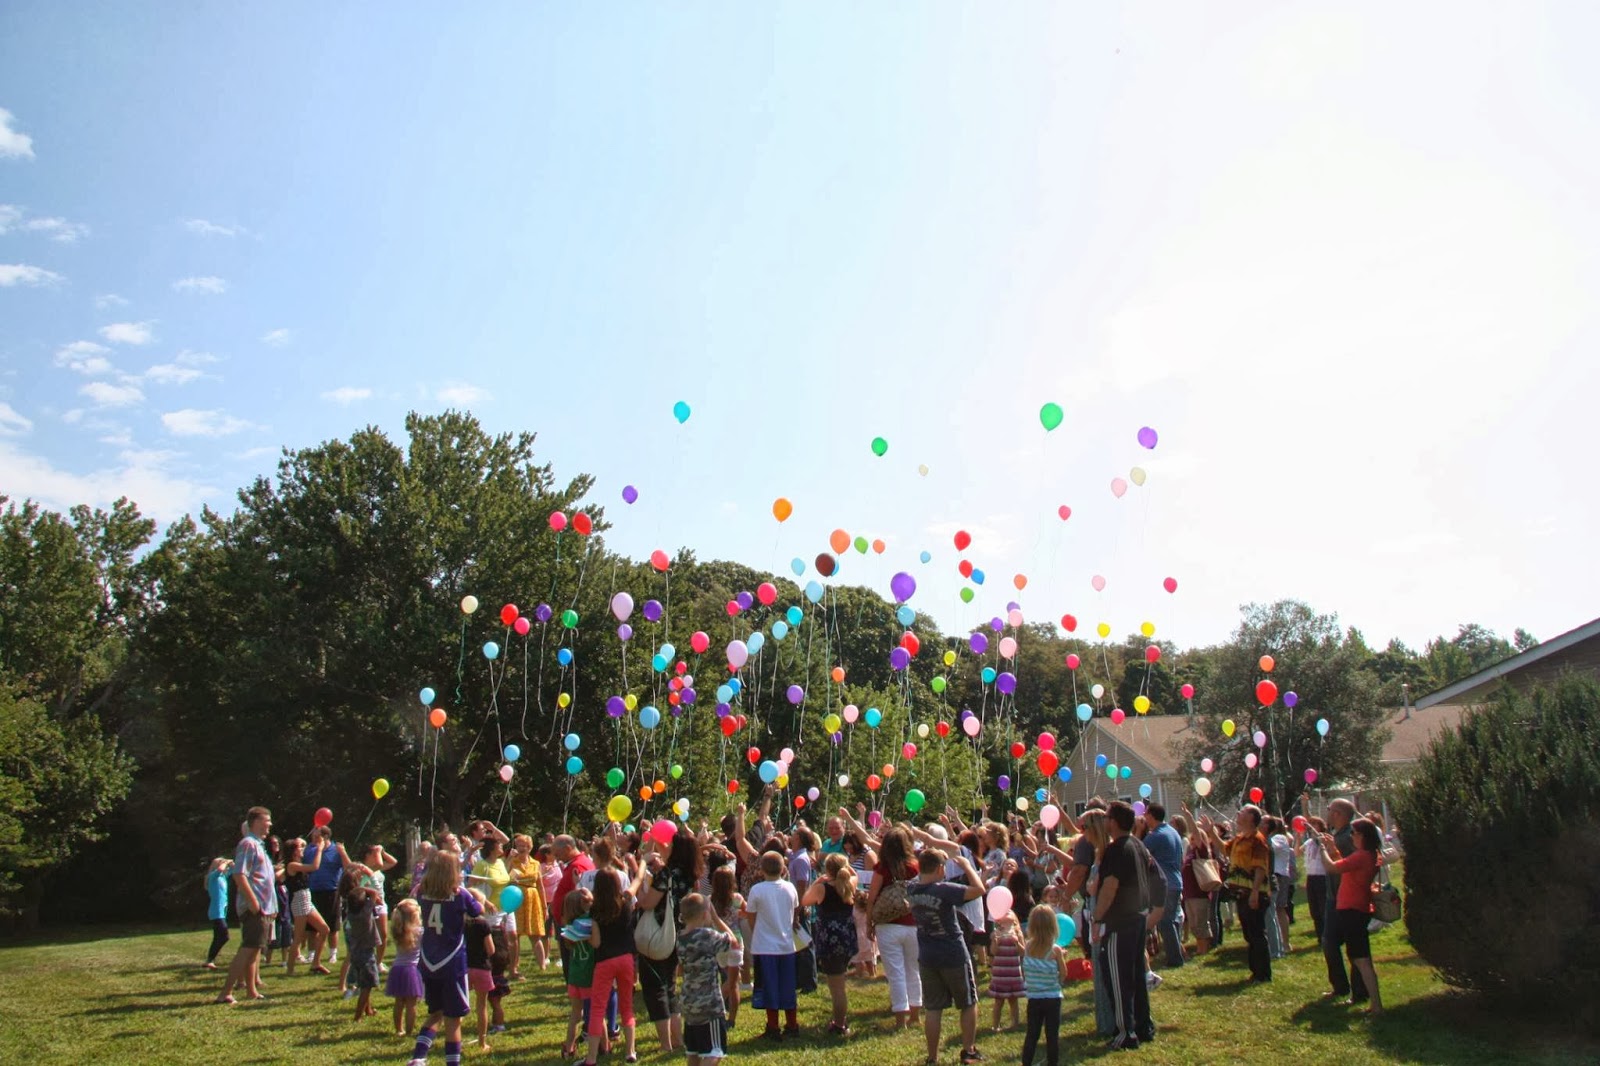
point(1085, 712)
point(922, 731)
point(977, 577)
point(1299, 822)
point(512, 753)
point(964, 568)
point(1097, 690)
point(323, 817)
point(1152, 654)
point(915, 800)
point(1170, 584)
point(469, 604)
point(1255, 795)
point(1118, 716)
point(1118, 487)
point(879, 446)
point(1266, 663)
point(437, 717)
point(1206, 765)
point(563, 699)
point(508, 614)
point(978, 643)
point(583, 524)
point(1322, 727)
point(796, 694)
point(926, 556)
point(569, 618)
point(1202, 786)
point(1228, 727)
point(1147, 628)
point(521, 626)
point(839, 540)
point(1266, 692)
point(1125, 772)
point(943, 729)
point(832, 723)
point(629, 494)
point(1311, 777)
point(728, 725)
point(624, 632)
point(874, 782)
point(1046, 742)
point(699, 642)
point(873, 717)
point(1014, 618)
point(1006, 682)
point(615, 777)
point(1073, 662)
point(851, 713)
point(813, 592)
point(680, 411)
point(754, 645)
point(1098, 583)
point(380, 788)
point(1137, 475)
point(426, 696)
point(570, 742)
point(879, 547)
point(798, 566)
point(971, 726)
point(1049, 815)
point(558, 521)
point(861, 545)
point(903, 585)
point(1104, 629)
point(1008, 648)
point(1069, 623)
point(1048, 762)
point(938, 684)
point(1066, 930)
point(1290, 699)
point(574, 765)
point(1144, 791)
point(1018, 749)
point(733, 787)
point(962, 540)
point(1141, 704)
point(1187, 692)
point(782, 509)
point(738, 654)
point(659, 560)
point(564, 656)
point(899, 658)
point(1147, 437)
point(1020, 581)
point(1004, 782)
point(649, 717)
point(966, 595)
point(506, 773)
point(619, 808)
point(999, 902)
point(769, 771)
point(1250, 761)
point(1259, 738)
point(510, 898)
point(542, 613)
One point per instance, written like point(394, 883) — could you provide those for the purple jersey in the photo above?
point(443, 953)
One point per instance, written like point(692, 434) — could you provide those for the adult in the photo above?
point(833, 894)
point(1166, 846)
point(1342, 984)
point(833, 844)
point(802, 858)
point(574, 864)
point(1283, 869)
point(255, 900)
point(528, 875)
point(1249, 878)
point(1353, 907)
point(1196, 901)
point(669, 875)
point(329, 858)
point(1316, 874)
point(944, 968)
point(1124, 907)
point(893, 927)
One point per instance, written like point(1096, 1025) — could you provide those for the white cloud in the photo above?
point(190, 422)
point(212, 229)
point(461, 395)
point(128, 333)
point(210, 285)
point(108, 301)
point(85, 357)
point(23, 274)
point(10, 215)
point(256, 453)
point(105, 394)
point(159, 493)
point(12, 423)
point(171, 374)
point(276, 337)
point(57, 229)
point(188, 358)
point(119, 438)
point(73, 416)
point(347, 395)
point(13, 144)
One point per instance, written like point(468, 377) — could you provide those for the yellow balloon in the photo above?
point(469, 604)
point(630, 701)
point(1147, 628)
point(563, 699)
point(832, 723)
point(949, 658)
point(1104, 629)
point(619, 808)
point(922, 731)
point(1228, 727)
point(380, 788)
point(1136, 475)
point(783, 780)
point(1022, 803)
point(1141, 704)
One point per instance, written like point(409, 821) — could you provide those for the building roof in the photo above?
point(1155, 739)
point(1409, 735)
point(1474, 687)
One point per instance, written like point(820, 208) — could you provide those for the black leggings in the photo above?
point(1043, 1014)
point(219, 937)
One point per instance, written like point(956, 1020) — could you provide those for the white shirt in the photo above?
point(773, 903)
point(1312, 849)
point(972, 909)
point(1282, 854)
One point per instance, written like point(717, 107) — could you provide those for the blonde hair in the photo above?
point(1093, 824)
point(443, 875)
point(838, 871)
point(1042, 931)
point(407, 924)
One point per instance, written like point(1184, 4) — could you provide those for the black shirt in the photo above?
point(476, 931)
point(616, 936)
point(1121, 861)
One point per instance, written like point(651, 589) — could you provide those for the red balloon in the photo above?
point(508, 614)
point(674, 699)
point(943, 729)
point(799, 802)
point(674, 683)
point(965, 567)
point(322, 817)
point(1170, 584)
point(963, 539)
point(1299, 823)
point(1073, 662)
point(910, 643)
point(1049, 762)
point(734, 608)
point(558, 521)
point(874, 782)
point(1018, 749)
point(767, 593)
point(1152, 654)
point(682, 668)
point(733, 786)
point(754, 755)
point(1069, 623)
point(699, 642)
point(1266, 692)
point(1187, 691)
point(583, 524)
point(1255, 795)
point(728, 725)
point(659, 560)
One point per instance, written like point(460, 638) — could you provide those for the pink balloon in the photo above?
point(1098, 582)
point(1311, 777)
point(851, 713)
point(874, 819)
point(767, 593)
point(522, 626)
point(909, 750)
point(1014, 618)
point(786, 755)
point(558, 521)
point(1117, 715)
point(663, 832)
point(1073, 662)
point(505, 773)
point(971, 726)
point(1008, 648)
point(1206, 766)
point(699, 642)
point(1064, 511)
point(999, 902)
point(1118, 487)
point(1251, 760)
point(1046, 742)
point(1170, 584)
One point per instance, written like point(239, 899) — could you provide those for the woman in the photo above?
point(1353, 905)
point(896, 930)
point(1095, 832)
point(1196, 904)
point(1316, 873)
point(661, 886)
point(834, 896)
point(802, 858)
point(863, 860)
point(527, 874)
point(612, 939)
point(297, 881)
point(1282, 846)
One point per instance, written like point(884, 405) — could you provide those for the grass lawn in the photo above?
point(139, 996)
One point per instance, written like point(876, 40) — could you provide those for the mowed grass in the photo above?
point(140, 997)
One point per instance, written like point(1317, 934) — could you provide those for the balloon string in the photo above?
point(461, 660)
point(365, 820)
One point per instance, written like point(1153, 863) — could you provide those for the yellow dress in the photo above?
point(528, 876)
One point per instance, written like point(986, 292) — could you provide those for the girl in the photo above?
point(405, 980)
point(612, 938)
point(550, 877)
point(1044, 969)
point(377, 861)
point(862, 860)
point(575, 927)
point(361, 935)
point(297, 880)
point(727, 902)
point(1005, 966)
point(1353, 904)
point(217, 907)
point(480, 949)
point(445, 908)
point(834, 896)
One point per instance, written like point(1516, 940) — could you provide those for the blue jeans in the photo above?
point(1168, 927)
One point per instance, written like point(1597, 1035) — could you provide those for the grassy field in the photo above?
point(139, 996)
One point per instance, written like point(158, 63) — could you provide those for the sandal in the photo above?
point(322, 970)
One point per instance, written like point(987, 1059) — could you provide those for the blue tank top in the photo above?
point(1041, 978)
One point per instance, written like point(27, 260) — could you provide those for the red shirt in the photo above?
point(568, 882)
point(1356, 872)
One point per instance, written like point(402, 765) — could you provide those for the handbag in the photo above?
point(1206, 875)
point(1386, 905)
point(655, 935)
point(892, 903)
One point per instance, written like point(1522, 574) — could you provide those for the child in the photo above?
point(480, 978)
point(1005, 967)
point(575, 929)
point(728, 903)
point(704, 938)
point(217, 907)
point(611, 910)
point(503, 933)
point(445, 908)
point(377, 861)
point(361, 936)
point(405, 980)
point(771, 907)
point(1044, 968)
point(834, 895)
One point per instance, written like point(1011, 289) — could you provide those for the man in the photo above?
point(834, 844)
point(574, 864)
point(255, 900)
point(1341, 812)
point(1249, 878)
point(1166, 846)
point(324, 882)
point(942, 962)
point(1126, 907)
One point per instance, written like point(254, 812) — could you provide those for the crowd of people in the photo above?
point(694, 922)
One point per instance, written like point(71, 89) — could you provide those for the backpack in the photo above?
point(580, 964)
point(655, 935)
point(891, 904)
point(1143, 861)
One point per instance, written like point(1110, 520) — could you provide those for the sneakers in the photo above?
point(1153, 979)
point(747, 987)
point(971, 1054)
point(333, 956)
point(383, 967)
point(497, 1028)
point(791, 1030)
point(773, 1034)
point(349, 992)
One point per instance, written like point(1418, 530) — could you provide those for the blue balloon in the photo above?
point(873, 717)
point(668, 652)
point(426, 696)
point(571, 741)
point(989, 674)
point(798, 566)
point(1065, 773)
point(574, 765)
point(491, 651)
point(1040, 795)
point(926, 557)
point(768, 771)
point(977, 577)
point(680, 411)
point(658, 663)
point(813, 592)
point(794, 615)
point(724, 693)
point(510, 899)
point(1066, 930)
point(564, 656)
point(905, 615)
point(1100, 762)
point(735, 684)
point(1085, 712)
point(1144, 791)
point(513, 753)
point(649, 717)
point(780, 629)
point(754, 643)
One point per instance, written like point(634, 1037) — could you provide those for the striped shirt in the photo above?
point(1041, 977)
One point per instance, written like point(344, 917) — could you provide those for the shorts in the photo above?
point(658, 987)
point(576, 993)
point(480, 980)
point(509, 923)
point(977, 938)
point(300, 903)
point(775, 982)
point(253, 927)
point(327, 904)
point(446, 994)
point(380, 910)
point(1197, 914)
point(944, 987)
point(1280, 895)
point(1351, 929)
point(364, 968)
point(708, 1040)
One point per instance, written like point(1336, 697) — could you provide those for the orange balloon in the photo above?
point(659, 787)
point(1266, 664)
point(782, 509)
point(436, 717)
point(878, 546)
point(888, 769)
point(645, 793)
point(840, 540)
point(1021, 581)
point(838, 675)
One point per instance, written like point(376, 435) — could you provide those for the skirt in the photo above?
point(835, 943)
point(405, 982)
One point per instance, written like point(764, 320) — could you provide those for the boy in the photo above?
point(770, 907)
point(943, 963)
point(703, 938)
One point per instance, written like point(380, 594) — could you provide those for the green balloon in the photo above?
point(1050, 416)
point(966, 595)
point(938, 684)
point(615, 777)
point(569, 618)
point(1111, 770)
point(861, 545)
point(676, 771)
point(915, 800)
point(879, 446)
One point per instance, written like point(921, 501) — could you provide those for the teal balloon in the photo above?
point(768, 771)
point(873, 717)
point(491, 651)
point(426, 696)
point(794, 615)
point(926, 557)
point(1144, 791)
point(798, 566)
point(988, 675)
point(658, 663)
point(754, 643)
point(649, 717)
point(574, 765)
point(813, 592)
point(510, 899)
point(513, 753)
point(780, 629)
point(1066, 930)
point(1125, 773)
point(668, 652)
point(905, 615)
point(724, 693)
point(1111, 772)
point(1085, 712)
point(680, 411)
point(733, 682)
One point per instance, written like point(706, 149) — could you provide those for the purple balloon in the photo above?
point(723, 710)
point(1290, 699)
point(615, 707)
point(1147, 437)
point(677, 710)
point(624, 632)
point(997, 624)
point(629, 494)
point(837, 739)
point(1004, 782)
point(903, 585)
point(1013, 606)
point(796, 694)
point(744, 600)
point(978, 643)
point(687, 696)
point(1006, 682)
point(543, 612)
point(1138, 808)
point(652, 610)
point(899, 658)
point(965, 714)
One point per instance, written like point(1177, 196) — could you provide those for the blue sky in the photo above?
point(1343, 260)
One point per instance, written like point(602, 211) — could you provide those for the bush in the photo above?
point(1502, 835)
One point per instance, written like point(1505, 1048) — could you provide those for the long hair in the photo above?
point(608, 902)
point(407, 924)
point(894, 854)
point(836, 870)
point(724, 883)
point(1042, 931)
point(575, 905)
point(442, 877)
point(684, 855)
point(1093, 824)
point(1021, 886)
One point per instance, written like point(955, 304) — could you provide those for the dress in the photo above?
point(1005, 966)
point(405, 979)
point(835, 936)
point(529, 876)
